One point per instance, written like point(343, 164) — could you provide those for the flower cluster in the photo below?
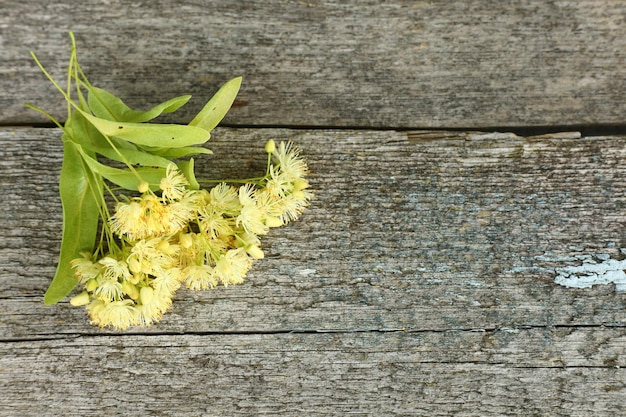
point(180, 236)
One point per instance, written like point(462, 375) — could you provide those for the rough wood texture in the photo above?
point(361, 374)
point(397, 63)
point(421, 279)
point(420, 282)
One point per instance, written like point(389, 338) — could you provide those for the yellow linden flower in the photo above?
point(143, 187)
point(289, 162)
point(251, 218)
point(255, 251)
point(142, 253)
point(109, 290)
point(167, 281)
point(185, 240)
point(128, 219)
point(215, 248)
point(147, 217)
point(246, 195)
point(146, 256)
point(200, 238)
point(213, 223)
point(192, 249)
point(174, 184)
point(270, 205)
point(225, 199)
point(80, 299)
point(246, 239)
point(152, 305)
point(278, 184)
point(181, 212)
point(270, 146)
point(117, 314)
point(233, 266)
point(274, 221)
point(300, 184)
point(114, 269)
point(85, 268)
point(199, 277)
point(167, 248)
point(252, 244)
point(138, 219)
point(130, 290)
point(93, 309)
point(91, 285)
point(156, 218)
point(294, 204)
point(136, 278)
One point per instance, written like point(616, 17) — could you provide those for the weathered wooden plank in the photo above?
point(557, 372)
point(476, 63)
point(417, 230)
point(452, 236)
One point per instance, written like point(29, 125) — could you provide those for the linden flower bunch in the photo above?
point(199, 238)
point(170, 232)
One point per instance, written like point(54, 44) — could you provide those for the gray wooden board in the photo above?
point(397, 63)
point(512, 373)
point(419, 282)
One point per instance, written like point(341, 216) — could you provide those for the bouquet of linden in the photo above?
point(130, 259)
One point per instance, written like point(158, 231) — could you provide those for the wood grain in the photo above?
point(513, 373)
point(421, 279)
point(397, 64)
point(419, 282)
point(467, 224)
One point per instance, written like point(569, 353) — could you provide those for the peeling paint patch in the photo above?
point(592, 273)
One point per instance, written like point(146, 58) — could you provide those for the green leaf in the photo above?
point(107, 106)
point(150, 134)
point(125, 178)
point(187, 168)
point(214, 111)
point(133, 157)
point(174, 153)
point(80, 221)
point(82, 132)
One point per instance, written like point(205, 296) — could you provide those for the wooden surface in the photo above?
point(421, 279)
point(476, 63)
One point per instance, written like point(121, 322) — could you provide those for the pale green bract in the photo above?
point(80, 220)
point(101, 129)
point(217, 107)
point(150, 134)
point(106, 106)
